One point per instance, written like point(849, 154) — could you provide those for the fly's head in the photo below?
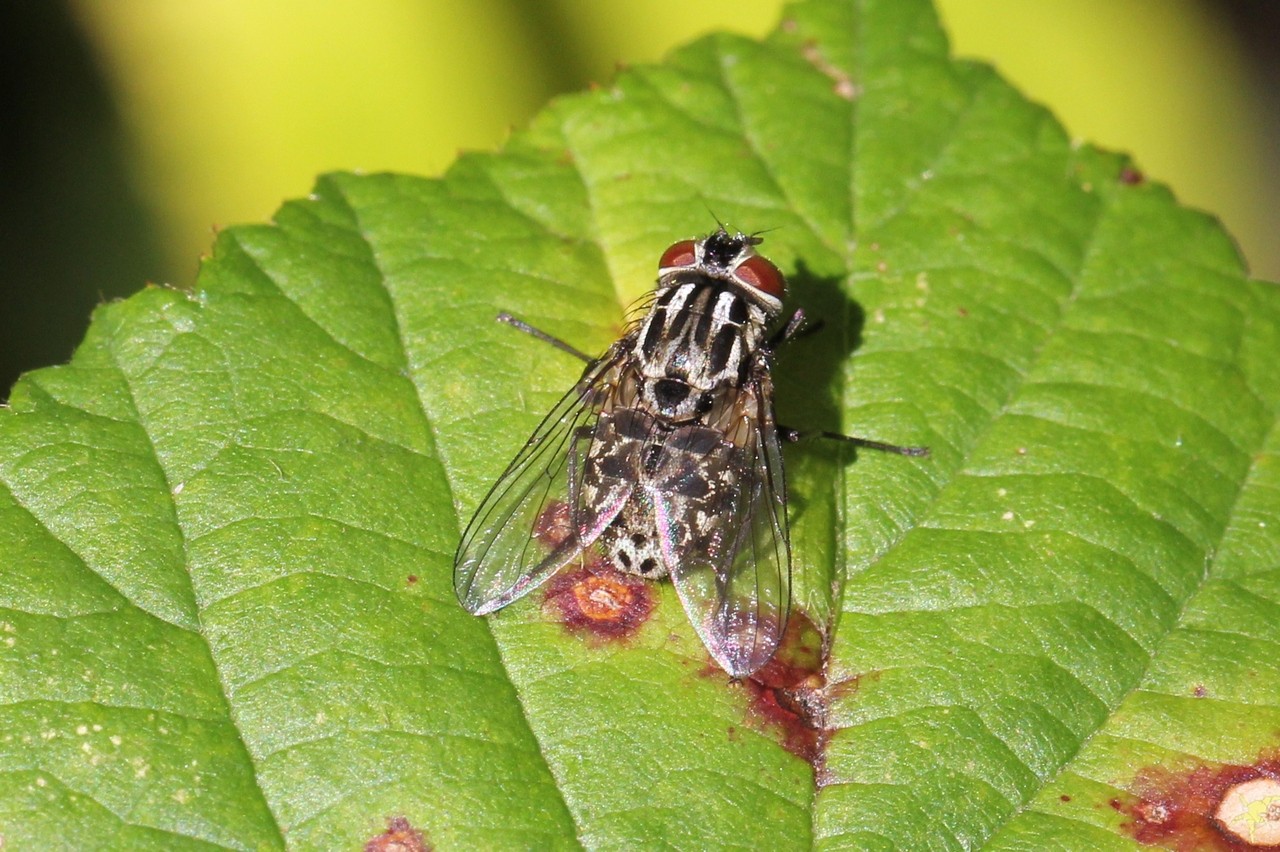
point(715, 300)
point(731, 258)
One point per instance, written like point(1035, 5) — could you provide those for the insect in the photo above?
point(664, 460)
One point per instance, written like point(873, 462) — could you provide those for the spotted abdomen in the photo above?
point(630, 542)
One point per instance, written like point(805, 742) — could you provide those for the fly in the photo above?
point(664, 460)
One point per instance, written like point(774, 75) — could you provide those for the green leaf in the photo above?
point(228, 523)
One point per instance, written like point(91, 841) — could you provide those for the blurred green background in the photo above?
point(134, 128)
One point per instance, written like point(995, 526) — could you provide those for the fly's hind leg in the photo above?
point(794, 435)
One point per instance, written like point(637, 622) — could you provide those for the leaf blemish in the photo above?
point(400, 836)
point(843, 87)
point(789, 695)
point(598, 601)
point(1217, 807)
point(1129, 176)
point(595, 599)
point(553, 527)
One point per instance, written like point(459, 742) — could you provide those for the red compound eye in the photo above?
point(679, 254)
point(759, 273)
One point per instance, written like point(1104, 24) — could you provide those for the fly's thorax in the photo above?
point(698, 340)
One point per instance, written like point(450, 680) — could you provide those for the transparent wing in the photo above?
point(535, 519)
point(720, 507)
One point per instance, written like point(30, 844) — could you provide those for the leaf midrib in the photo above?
point(224, 690)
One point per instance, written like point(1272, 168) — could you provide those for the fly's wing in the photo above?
point(720, 507)
point(535, 520)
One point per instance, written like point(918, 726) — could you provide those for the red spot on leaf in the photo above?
point(1209, 807)
point(600, 601)
point(799, 658)
point(553, 526)
point(400, 836)
point(1129, 176)
point(789, 696)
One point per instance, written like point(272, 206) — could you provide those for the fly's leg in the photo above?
point(794, 435)
point(798, 326)
point(514, 322)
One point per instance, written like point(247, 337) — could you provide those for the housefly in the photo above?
point(664, 460)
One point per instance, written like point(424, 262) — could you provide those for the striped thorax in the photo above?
point(712, 308)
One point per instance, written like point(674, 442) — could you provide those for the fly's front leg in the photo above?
point(514, 322)
point(797, 326)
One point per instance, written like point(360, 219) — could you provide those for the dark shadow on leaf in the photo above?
point(809, 365)
point(809, 371)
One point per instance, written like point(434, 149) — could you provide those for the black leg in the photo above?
point(794, 435)
point(543, 336)
point(797, 326)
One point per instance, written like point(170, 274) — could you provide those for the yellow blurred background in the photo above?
point(145, 124)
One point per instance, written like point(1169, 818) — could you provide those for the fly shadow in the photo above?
point(808, 368)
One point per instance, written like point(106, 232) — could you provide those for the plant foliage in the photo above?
point(228, 523)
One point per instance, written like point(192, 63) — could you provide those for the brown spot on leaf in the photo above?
point(600, 602)
point(788, 695)
point(553, 526)
point(1208, 807)
point(799, 658)
point(1129, 176)
point(400, 836)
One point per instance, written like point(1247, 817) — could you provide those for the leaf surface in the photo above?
point(229, 522)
